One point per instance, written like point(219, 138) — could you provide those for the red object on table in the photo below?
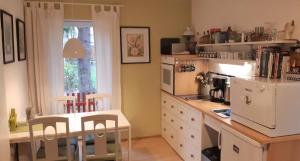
point(81, 103)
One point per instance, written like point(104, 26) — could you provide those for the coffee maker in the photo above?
point(217, 89)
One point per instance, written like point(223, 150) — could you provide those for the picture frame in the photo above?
point(7, 30)
point(135, 45)
point(21, 39)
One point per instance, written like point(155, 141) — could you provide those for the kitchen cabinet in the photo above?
point(238, 147)
point(191, 126)
point(181, 127)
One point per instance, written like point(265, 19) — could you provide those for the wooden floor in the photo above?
point(150, 149)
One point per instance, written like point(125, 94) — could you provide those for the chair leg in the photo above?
point(80, 150)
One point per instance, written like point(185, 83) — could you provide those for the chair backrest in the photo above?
point(96, 126)
point(97, 97)
point(50, 141)
point(68, 101)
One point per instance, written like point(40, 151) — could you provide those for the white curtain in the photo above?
point(106, 25)
point(44, 35)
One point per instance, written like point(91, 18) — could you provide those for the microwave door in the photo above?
point(167, 78)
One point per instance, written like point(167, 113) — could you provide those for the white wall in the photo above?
point(244, 15)
point(4, 142)
point(13, 84)
point(15, 74)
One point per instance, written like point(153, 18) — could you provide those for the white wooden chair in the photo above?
point(50, 150)
point(64, 100)
point(101, 97)
point(95, 126)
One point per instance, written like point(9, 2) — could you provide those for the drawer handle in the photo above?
point(192, 156)
point(181, 145)
point(172, 136)
point(192, 136)
point(165, 101)
point(165, 129)
point(248, 100)
point(172, 120)
point(181, 112)
point(236, 149)
point(172, 106)
point(165, 115)
point(181, 127)
point(192, 119)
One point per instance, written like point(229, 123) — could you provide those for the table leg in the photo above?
point(120, 137)
point(17, 152)
point(129, 144)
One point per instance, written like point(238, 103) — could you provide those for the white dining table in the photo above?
point(75, 127)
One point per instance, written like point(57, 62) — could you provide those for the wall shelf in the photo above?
point(229, 61)
point(250, 43)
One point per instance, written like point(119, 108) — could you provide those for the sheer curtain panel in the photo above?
point(44, 35)
point(106, 25)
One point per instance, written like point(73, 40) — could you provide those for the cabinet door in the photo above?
point(235, 147)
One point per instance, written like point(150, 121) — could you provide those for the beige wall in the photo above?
point(244, 15)
point(141, 82)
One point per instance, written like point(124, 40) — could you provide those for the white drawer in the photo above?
point(164, 129)
point(189, 133)
point(169, 103)
point(238, 147)
point(195, 119)
point(188, 151)
point(182, 112)
point(192, 153)
point(180, 147)
point(190, 115)
point(194, 136)
point(172, 120)
point(164, 114)
point(172, 138)
point(164, 100)
point(169, 134)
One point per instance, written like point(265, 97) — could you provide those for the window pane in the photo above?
point(80, 74)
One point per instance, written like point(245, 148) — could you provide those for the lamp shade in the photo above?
point(188, 32)
point(74, 49)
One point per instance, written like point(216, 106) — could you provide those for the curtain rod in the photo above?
point(77, 4)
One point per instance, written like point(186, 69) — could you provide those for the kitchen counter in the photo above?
point(206, 107)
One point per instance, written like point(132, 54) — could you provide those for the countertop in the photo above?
point(206, 107)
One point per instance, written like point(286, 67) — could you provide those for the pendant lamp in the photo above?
point(73, 47)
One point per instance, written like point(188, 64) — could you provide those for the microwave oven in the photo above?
point(271, 107)
point(170, 46)
point(177, 81)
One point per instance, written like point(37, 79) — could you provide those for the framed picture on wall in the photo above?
point(7, 37)
point(135, 45)
point(21, 42)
